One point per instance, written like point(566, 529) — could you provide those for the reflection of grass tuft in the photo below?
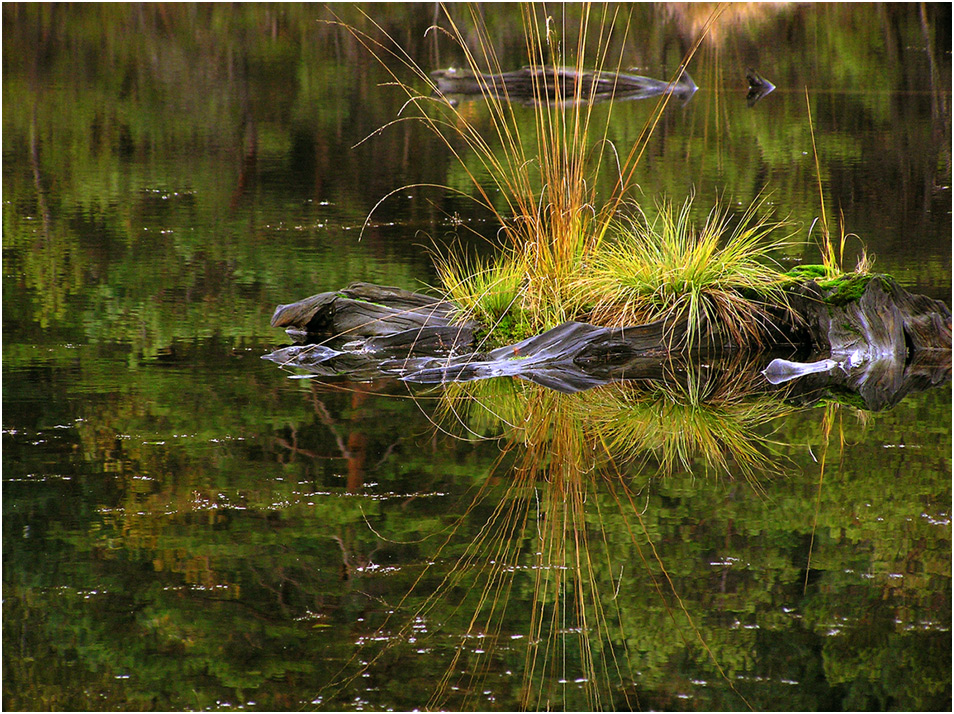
point(570, 496)
point(681, 424)
point(716, 417)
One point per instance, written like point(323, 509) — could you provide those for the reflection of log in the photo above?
point(357, 443)
point(877, 341)
point(866, 330)
point(874, 385)
point(759, 87)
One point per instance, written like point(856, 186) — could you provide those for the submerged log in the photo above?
point(864, 333)
point(561, 85)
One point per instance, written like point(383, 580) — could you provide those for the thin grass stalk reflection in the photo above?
point(549, 521)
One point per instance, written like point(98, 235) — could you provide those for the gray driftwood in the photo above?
point(886, 320)
point(396, 318)
point(878, 343)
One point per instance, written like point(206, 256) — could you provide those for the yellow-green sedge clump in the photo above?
point(716, 276)
point(488, 292)
point(540, 183)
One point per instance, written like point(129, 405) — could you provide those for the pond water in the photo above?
point(187, 526)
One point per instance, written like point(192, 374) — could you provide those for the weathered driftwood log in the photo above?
point(409, 320)
point(865, 333)
point(562, 85)
point(870, 337)
point(568, 358)
point(871, 315)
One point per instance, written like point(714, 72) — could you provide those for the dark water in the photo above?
point(187, 527)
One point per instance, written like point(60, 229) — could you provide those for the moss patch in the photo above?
point(507, 330)
point(807, 272)
point(845, 288)
point(839, 291)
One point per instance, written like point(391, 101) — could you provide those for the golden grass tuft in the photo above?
point(717, 277)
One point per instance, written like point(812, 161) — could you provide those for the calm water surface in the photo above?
point(186, 526)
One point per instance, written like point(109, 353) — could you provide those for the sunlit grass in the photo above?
point(485, 291)
point(548, 179)
point(579, 256)
point(568, 251)
point(716, 277)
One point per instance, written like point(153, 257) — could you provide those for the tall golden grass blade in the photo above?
point(639, 147)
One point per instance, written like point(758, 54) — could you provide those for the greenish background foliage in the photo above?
point(184, 527)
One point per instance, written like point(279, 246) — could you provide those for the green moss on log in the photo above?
point(807, 272)
point(845, 288)
point(838, 291)
point(511, 327)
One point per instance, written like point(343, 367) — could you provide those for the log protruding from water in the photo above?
point(868, 336)
point(363, 311)
point(871, 315)
point(759, 87)
point(862, 333)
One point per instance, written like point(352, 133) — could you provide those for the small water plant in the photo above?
point(833, 258)
point(487, 292)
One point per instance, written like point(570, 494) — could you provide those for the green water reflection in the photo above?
point(187, 528)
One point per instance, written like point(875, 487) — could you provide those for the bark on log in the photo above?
point(871, 315)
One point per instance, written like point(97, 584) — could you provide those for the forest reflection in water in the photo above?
point(571, 535)
point(488, 545)
point(186, 529)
